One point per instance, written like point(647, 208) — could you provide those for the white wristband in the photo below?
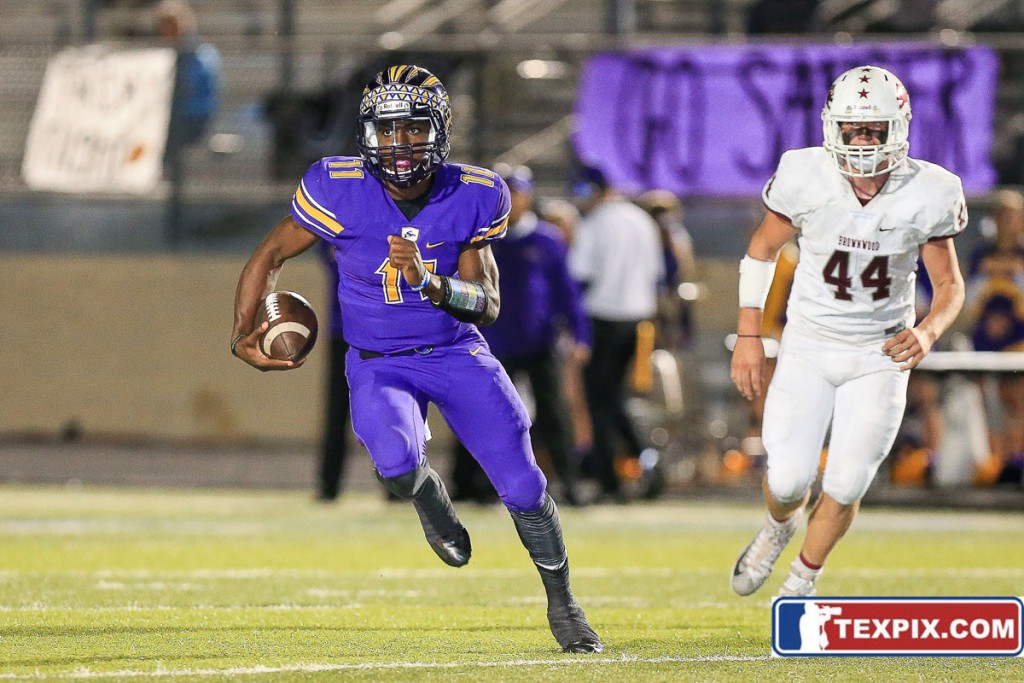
point(755, 281)
point(424, 283)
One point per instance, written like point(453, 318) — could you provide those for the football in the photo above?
point(293, 326)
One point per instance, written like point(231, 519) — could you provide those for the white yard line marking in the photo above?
point(404, 574)
point(135, 607)
point(376, 666)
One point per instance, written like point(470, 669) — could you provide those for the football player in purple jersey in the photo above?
point(411, 236)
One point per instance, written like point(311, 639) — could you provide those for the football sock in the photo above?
point(541, 534)
point(780, 523)
point(808, 565)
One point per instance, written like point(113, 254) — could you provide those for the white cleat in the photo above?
point(755, 563)
point(800, 581)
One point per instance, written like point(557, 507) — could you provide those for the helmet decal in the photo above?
point(404, 92)
point(903, 97)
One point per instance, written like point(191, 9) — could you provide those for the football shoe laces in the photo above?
point(800, 581)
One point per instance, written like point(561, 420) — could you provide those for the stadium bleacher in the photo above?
point(332, 40)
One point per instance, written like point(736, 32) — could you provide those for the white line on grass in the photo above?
point(374, 666)
point(486, 573)
point(607, 601)
point(135, 607)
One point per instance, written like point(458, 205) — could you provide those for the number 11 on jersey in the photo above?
point(391, 277)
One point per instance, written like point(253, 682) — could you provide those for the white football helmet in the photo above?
point(867, 93)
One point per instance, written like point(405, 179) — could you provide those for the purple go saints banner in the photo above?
point(713, 121)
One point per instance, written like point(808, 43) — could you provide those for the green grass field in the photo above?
point(154, 585)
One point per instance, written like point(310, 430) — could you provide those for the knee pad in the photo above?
point(846, 488)
point(406, 485)
point(788, 486)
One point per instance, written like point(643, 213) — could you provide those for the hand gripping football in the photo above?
point(293, 327)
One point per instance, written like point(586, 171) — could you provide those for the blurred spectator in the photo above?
point(916, 449)
point(334, 444)
point(1008, 150)
point(564, 215)
point(772, 323)
point(996, 297)
point(1001, 257)
point(675, 315)
point(538, 300)
point(195, 99)
point(748, 458)
point(197, 78)
point(617, 255)
point(774, 318)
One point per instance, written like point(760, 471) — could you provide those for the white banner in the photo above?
point(100, 124)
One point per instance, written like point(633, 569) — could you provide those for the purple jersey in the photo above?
point(340, 202)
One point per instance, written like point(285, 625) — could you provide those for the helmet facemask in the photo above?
point(400, 165)
point(867, 95)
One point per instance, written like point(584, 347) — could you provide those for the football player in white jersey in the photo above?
point(862, 212)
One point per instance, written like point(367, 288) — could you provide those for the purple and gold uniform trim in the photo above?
point(313, 214)
point(495, 231)
point(351, 168)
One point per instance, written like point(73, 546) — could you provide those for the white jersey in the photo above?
point(855, 279)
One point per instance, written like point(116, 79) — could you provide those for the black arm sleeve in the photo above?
point(464, 301)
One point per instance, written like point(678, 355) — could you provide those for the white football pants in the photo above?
point(860, 390)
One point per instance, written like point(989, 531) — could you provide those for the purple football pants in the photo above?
point(473, 393)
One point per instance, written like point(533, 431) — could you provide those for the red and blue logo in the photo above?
point(821, 626)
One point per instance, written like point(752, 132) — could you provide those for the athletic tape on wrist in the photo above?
point(465, 301)
point(755, 281)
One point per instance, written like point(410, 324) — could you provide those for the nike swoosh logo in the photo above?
point(475, 351)
point(736, 569)
point(880, 229)
point(435, 244)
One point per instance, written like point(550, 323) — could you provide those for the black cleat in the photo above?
point(572, 631)
point(441, 526)
point(455, 550)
